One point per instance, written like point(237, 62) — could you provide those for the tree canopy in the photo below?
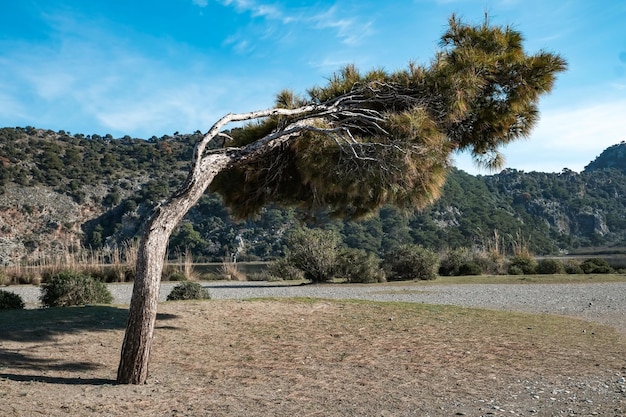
point(387, 137)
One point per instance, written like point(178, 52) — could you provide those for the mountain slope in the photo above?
point(59, 192)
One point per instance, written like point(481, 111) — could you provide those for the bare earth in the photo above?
point(320, 357)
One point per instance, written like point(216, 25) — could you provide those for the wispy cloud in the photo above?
point(256, 9)
point(349, 31)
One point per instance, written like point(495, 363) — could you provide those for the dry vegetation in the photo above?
point(313, 358)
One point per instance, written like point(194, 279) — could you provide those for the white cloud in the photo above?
point(200, 3)
point(564, 138)
point(350, 30)
point(256, 9)
point(583, 129)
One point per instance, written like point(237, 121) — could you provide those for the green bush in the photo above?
point(550, 266)
point(281, 269)
point(188, 291)
point(68, 288)
point(314, 251)
point(492, 263)
point(526, 264)
point(596, 266)
point(10, 301)
point(470, 268)
point(411, 262)
point(357, 265)
point(573, 267)
point(452, 261)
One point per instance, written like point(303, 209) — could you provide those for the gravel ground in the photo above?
point(602, 302)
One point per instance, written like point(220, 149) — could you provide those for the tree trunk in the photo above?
point(135, 355)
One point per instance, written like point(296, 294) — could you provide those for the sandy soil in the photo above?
point(314, 358)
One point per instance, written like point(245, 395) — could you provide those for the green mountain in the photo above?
point(60, 192)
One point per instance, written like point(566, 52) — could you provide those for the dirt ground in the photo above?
point(313, 358)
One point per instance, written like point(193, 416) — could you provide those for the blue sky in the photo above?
point(144, 68)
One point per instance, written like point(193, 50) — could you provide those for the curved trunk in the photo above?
point(135, 355)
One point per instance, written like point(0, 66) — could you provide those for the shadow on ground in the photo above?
point(32, 328)
point(44, 324)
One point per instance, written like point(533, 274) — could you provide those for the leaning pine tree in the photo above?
point(360, 141)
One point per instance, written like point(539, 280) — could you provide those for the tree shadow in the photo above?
point(28, 327)
point(58, 380)
point(19, 360)
point(45, 324)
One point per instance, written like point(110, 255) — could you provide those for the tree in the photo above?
point(359, 142)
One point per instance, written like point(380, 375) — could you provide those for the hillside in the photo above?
point(60, 192)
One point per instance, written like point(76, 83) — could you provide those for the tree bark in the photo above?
point(135, 355)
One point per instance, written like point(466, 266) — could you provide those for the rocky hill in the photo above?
point(60, 192)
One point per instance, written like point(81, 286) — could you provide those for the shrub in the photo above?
point(523, 263)
point(109, 274)
point(177, 276)
point(491, 263)
point(470, 268)
point(452, 261)
point(411, 262)
point(230, 271)
point(314, 251)
point(357, 265)
point(10, 301)
point(188, 291)
point(573, 267)
point(172, 273)
point(282, 269)
point(68, 288)
point(550, 266)
point(596, 266)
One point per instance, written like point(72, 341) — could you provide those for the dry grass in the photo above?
point(306, 358)
point(230, 271)
point(111, 263)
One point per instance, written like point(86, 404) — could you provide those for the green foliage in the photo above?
point(573, 267)
point(10, 301)
point(470, 268)
point(411, 262)
point(359, 266)
point(550, 266)
point(522, 264)
point(492, 263)
point(453, 260)
point(284, 270)
point(69, 288)
point(596, 266)
point(188, 291)
point(314, 251)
